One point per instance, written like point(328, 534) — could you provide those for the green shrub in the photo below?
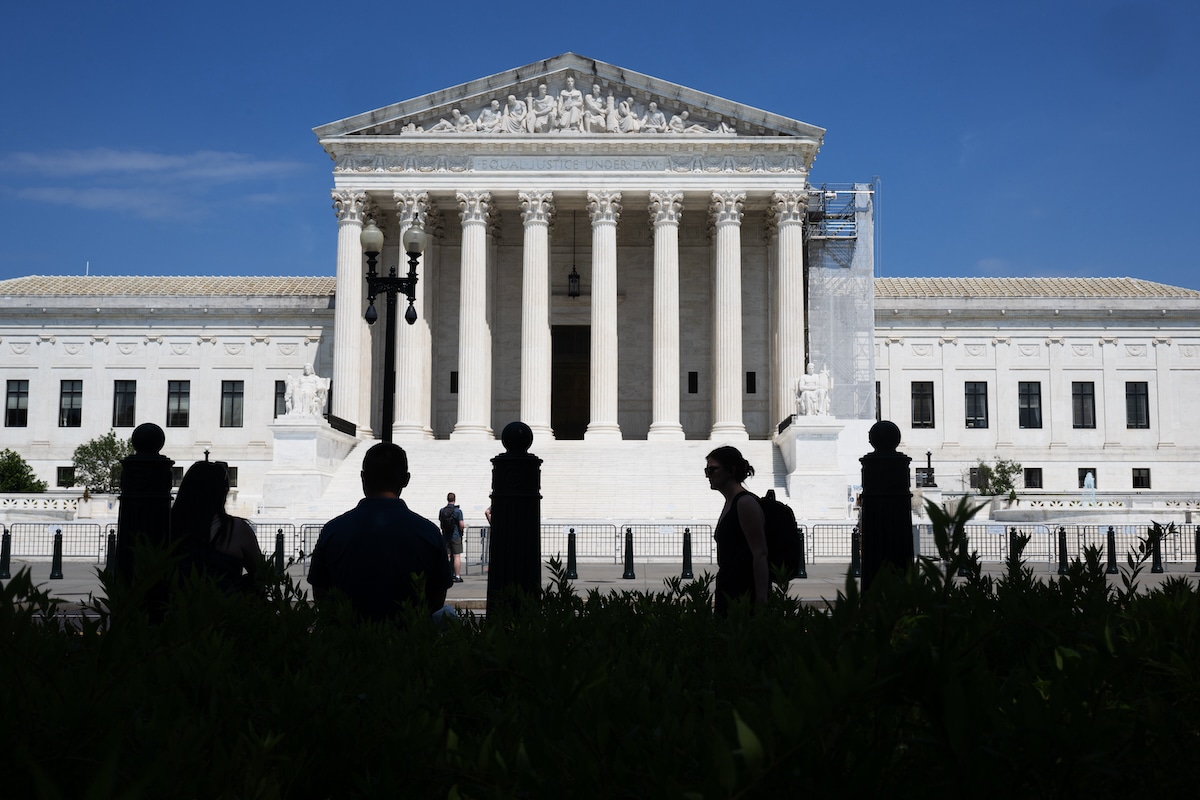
point(98, 462)
point(926, 685)
point(16, 475)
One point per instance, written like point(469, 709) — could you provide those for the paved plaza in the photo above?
point(80, 579)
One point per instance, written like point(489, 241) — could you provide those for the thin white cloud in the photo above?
point(207, 165)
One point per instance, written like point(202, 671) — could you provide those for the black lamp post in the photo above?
point(372, 243)
point(929, 482)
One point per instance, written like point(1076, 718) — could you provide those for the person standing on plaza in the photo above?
point(742, 569)
point(378, 553)
point(453, 527)
point(210, 541)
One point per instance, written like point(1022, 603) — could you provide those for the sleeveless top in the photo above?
point(735, 565)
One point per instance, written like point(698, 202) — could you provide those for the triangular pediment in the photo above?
point(569, 95)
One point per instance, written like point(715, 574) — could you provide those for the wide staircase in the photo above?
point(620, 481)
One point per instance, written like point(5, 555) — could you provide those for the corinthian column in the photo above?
point(413, 342)
point(537, 208)
point(727, 316)
point(474, 350)
point(605, 210)
point(665, 210)
point(350, 333)
point(791, 308)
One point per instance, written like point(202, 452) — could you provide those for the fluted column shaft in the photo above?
point(351, 337)
point(791, 306)
point(605, 210)
point(474, 351)
point(665, 210)
point(413, 342)
point(727, 316)
point(537, 208)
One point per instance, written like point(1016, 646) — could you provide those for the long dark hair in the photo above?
point(731, 459)
point(201, 496)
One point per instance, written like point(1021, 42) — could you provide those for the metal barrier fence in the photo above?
point(603, 543)
point(79, 539)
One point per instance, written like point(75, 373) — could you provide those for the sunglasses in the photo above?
point(708, 471)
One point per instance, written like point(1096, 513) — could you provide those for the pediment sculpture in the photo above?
point(569, 110)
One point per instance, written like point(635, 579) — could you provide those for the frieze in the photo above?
point(1135, 350)
point(384, 162)
point(19, 348)
point(1189, 351)
point(975, 350)
point(922, 350)
point(1029, 350)
point(1082, 350)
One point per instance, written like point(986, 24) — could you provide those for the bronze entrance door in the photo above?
point(570, 382)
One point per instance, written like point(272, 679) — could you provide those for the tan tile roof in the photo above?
point(78, 286)
point(1025, 287)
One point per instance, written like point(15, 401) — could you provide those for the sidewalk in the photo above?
point(824, 581)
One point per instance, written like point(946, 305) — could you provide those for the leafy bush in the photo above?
point(1000, 478)
point(927, 685)
point(16, 475)
point(98, 462)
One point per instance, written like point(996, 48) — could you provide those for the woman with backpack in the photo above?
point(741, 536)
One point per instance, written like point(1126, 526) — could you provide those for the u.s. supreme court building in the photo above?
point(638, 271)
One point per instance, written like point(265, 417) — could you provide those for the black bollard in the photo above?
point(1112, 552)
point(963, 572)
point(110, 553)
point(886, 518)
point(56, 562)
point(515, 558)
point(572, 570)
point(279, 551)
point(1156, 565)
point(802, 571)
point(1062, 550)
point(856, 552)
point(687, 555)
point(629, 574)
point(6, 554)
point(1197, 532)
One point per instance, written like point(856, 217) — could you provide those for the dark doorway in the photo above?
point(570, 382)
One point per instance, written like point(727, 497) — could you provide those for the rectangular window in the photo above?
point(924, 477)
point(280, 398)
point(1141, 477)
point(1033, 477)
point(176, 477)
point(878, 402)
point(70, 404)
point(973, 477)
point(751, 383)
point(124, 404)
point(975, 396)
point(232, 472)
point(1087, 475)
point(454, 382)
point(65, 477)
point(693, 383)
point(1029, 397)
point(1083, 404)
point(179, 404)
point(231, 403)
point(922, 404)
point(16, 409)
point(1137, 404)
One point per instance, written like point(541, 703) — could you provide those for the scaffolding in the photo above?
point(839, 240)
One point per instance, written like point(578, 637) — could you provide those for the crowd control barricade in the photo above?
point(79, 540)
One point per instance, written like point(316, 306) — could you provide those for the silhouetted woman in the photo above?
point(210, 541)
point(741, 539)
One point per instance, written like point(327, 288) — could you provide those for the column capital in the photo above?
point(666, 207)
point(349, 206)
point(726, 207)
point(410, 205)
point(537, 207)
point(604, 207)
point(787, 208)
point(474, 206)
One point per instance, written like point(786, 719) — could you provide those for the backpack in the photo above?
point(783, 538)
point(448, 520)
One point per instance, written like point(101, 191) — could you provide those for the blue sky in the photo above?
point(1021, 138)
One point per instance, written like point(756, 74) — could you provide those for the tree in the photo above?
point(999, 478)
point(16, 475)
point(98, 462)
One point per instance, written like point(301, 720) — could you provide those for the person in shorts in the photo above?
point(450, 518)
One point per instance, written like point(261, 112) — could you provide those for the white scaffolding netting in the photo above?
point(841, 295)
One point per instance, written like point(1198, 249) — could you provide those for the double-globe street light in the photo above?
point(372, 243)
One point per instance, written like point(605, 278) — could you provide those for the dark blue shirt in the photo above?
point(372, 553)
